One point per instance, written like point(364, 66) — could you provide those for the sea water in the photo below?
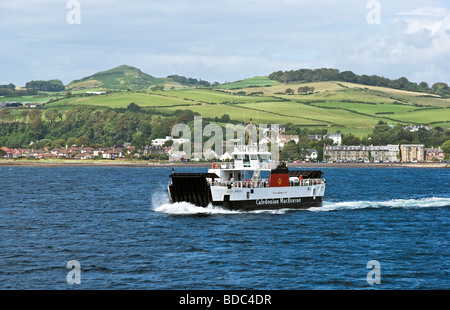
point(118, 224)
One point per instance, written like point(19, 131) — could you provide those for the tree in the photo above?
point(157, 88)
point(73, 141)
point(348, 76)
point(58, 143)
point(440, 89)
point(133, 107)
point(225, 118)
point(290, 151)
point(305, 90)
point(51, 116)
point(424, 86)
point(10, 86)
point(350, 139)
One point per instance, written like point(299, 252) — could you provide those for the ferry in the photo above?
point(251, 181)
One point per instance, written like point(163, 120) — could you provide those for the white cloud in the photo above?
point(224, 39)
point(415, 44)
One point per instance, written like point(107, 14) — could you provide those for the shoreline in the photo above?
point(121, 163)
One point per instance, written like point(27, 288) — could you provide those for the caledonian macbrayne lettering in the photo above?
point(278, 201)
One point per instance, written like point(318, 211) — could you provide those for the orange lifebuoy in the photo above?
point(216, 166)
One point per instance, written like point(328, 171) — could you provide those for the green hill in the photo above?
point(122, 78)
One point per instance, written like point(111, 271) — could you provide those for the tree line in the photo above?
point(9, 90)
point(188, 81)
point(93, 126)
point(52, 85)
point(328, 74)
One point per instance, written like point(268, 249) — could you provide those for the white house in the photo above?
point(336, 137)
point(111, 154)
point(161, 142)
point(312, 155)
point(95, 92)
point(210, 155)
point(285, 139)
point(226, 156)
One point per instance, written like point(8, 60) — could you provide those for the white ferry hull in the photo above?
point(296, 197)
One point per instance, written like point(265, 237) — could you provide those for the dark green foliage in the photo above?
point(52, 85)
point(188, 81)
point(326, 74)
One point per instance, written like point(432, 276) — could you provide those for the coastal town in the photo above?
point(163, 149)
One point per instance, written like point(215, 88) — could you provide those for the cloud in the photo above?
point(222, 40)
point(415, 44)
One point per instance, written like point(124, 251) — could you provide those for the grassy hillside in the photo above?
point(123, 77)
point(258, 81)
point(333, 105)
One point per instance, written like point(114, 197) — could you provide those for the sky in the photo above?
point(223, 40)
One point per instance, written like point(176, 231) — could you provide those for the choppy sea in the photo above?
point(379, 228)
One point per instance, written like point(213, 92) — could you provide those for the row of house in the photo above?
point(418, 153)
point(382, 153)
point(66, 152)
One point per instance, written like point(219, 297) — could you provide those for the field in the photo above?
point(258, 81)
point(333, 105)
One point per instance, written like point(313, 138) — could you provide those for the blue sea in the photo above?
point(118, 224)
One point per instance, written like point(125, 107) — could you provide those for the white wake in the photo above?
point(393, 203)
point(161, 204)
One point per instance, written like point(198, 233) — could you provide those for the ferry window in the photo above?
point(265, 174)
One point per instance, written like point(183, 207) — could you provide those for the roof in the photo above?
point(194, 175)
point(306, 174)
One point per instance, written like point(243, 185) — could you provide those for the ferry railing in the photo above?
point(308, 182)
point(265, 183)
point(231, 165)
